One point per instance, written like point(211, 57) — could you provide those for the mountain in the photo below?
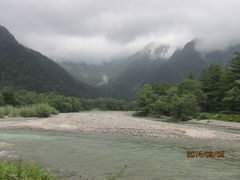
point(22, 67)
point(140, 66)
point(179, 65)
point(153, 63)
point(121, 74)
point(188, 60)
point(100, 75)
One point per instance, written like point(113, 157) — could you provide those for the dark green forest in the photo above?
point(27, 102)
point(216, 95)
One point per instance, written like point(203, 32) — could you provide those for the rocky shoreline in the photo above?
point(121, 123)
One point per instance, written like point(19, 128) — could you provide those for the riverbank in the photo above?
point(114, 123)
point(233, 125)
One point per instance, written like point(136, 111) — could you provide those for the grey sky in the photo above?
point(94, 30)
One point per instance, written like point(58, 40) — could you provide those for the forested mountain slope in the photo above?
point(22, 67)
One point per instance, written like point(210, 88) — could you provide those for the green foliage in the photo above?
point(44, 110)
point(107, 104)
point(27, 111)
point(146, 98)
point(28, 97)
point(165, 99)
point(64, 104)
point(114, 175)
point(17, 170)
point(1, 99)
point(185, 107)
point(211, 86)
point(218, 116)
point(29, 104)
point(232, 99)
point(36, 110)
point(234, 65)
point(190, 76)
point(194, 87)
point(2, 112)
point(9, 97)
point(161, 107)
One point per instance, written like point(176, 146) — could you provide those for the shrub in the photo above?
point(15, 112)
point(44, 110)
point(224, 117)
point(13, 170)
point(8, 109)
point(2, 112)
point(38, 110)
point(1, 99)
point(27, 111)
point(185, 107)
point(203, 116)
point(9, 97)
point(161, 107)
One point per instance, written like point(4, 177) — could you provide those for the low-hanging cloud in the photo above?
point(94, 31)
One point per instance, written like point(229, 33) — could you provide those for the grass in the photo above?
point(219, 116)
point(114, 175)
point(38, 110)
point(17, 170)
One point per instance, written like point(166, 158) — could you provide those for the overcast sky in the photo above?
point(95, 30)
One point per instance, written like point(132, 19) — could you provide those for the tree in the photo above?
point(185, 107)
point(161, 88)
point(9, 97)
point(194, 87)
point(230, 84)
point(234, 65)
point(211, 86)
point(190, 76)
point(1, 99)
point(161, 107)
point(232, 99)
point(145, 99)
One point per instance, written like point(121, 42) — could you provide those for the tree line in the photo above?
point(12, 101)
point(216, 91)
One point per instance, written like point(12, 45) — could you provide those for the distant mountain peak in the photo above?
point(158, 51)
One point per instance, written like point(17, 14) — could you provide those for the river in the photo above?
point(93, 156)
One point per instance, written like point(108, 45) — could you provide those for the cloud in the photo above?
point(104, 81)
point(93, 31)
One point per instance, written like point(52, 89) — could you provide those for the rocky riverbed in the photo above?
point(116, 123)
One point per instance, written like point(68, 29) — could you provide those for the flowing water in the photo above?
point(94, 156)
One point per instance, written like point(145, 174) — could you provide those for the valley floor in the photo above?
point(120, 123)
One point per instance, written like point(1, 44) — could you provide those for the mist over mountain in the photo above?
point(94, 32)
point(25, 68)
point(153, 63)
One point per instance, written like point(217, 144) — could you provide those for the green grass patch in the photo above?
point(114, 175)
point(17, 170)
point(37, 110)
point(218, 116)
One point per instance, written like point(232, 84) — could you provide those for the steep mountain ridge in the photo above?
point(22, 67)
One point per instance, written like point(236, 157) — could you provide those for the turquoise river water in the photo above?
point(94, 156)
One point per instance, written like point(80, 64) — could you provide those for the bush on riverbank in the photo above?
point(37, 110)
point(179, 101)
point(17, 170)
point(223, 117)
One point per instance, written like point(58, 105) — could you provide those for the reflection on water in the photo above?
point(146, 158)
